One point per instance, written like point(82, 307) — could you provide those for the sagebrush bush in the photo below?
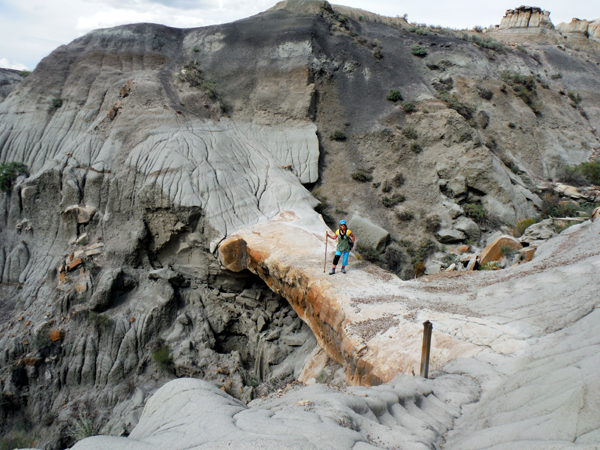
point(163, 359)
point(553, 206)
point(362, 176)
point(338, 135)
point(415, 147)
point(575, 97)
point(9, 173)
point(486, 94)
point(408, 107)
point(410, 133)
point(584, 173)
point(475, 212)
point(392, 201)
point(394, 96)
point(519, 228)
point(418, 50)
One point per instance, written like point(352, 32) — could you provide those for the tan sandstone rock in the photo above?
point(493, 251)
point(57, 335)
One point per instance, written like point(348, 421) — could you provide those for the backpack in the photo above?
point(348, 238)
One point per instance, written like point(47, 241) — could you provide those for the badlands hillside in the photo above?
point(165, 196)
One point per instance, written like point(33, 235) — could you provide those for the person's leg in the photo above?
point(345, 261)
point(336, 259)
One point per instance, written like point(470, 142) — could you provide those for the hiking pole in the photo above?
point(325, 263)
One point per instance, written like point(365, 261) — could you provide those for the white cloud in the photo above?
point(6, 64)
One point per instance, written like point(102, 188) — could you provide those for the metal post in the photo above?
point(427, 329)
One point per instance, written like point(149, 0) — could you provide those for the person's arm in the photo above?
point(353, 238)
point(332, 236)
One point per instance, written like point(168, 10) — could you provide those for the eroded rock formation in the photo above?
point(526, 17)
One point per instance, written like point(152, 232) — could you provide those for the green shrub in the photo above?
point(338, 135)
point(575, 97)
point(488, 43)
point(362, 176)
point(590, 170)
point(57, 102)
point(390, 202)
point(522, 225)
point(464, 109)
point(490, 265)
point(162, 358)
point(415, 147)
point(444, 84)
point(521, 48)
point(418, 50)
point(195, 49)
point(367, 252)
point(486, 94)
point(394, 96)
point(512, 125)
point(410, 133)
point(574, 176)
point(556, 76)
point(404, 215)
point(553, 206)
point(25, 73)
point(9, 173)
point(398, 180)
point(252, 382)
point(475, 212)
point(408, 107)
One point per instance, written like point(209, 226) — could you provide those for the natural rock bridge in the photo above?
point(370, 321)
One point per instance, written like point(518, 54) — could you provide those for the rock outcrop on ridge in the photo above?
point(8, 79)
point(146, 147)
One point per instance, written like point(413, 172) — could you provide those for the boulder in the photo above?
point(430, 269)
point(368, 233)
point(75, 263)
point(541, 231)
point(455, 211)
point(493, 252)
point(57, 335)
point(469, 227)
point(527, 253)
point(82, 214)
point(450, 235)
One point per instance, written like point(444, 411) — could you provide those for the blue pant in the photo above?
point(337, 258)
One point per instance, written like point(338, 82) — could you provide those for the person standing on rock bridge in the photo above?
point(345, 240)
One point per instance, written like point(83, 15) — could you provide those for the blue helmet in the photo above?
point(342, 222)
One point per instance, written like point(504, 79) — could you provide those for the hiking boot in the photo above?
point(332, 272)
point(343, 270)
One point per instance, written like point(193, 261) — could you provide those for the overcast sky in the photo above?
point(31, 29)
